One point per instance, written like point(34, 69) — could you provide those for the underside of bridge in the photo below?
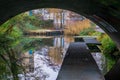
point(105, 13)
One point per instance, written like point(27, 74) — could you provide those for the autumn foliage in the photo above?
point(74, 27)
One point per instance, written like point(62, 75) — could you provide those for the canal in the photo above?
point(43, 59)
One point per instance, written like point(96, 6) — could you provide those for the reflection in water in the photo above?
point(45, 62)
point(100, 60)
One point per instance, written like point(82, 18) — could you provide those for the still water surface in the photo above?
point(45, 57)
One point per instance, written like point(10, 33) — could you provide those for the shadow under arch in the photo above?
point(94, 10)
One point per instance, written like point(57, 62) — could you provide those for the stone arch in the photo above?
point(104, 13)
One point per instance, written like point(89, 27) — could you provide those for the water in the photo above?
point(100, 60)
point(44, 58)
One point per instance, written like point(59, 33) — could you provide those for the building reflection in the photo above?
point(45, 62)
point(55, 54)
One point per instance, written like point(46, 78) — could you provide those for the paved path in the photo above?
point(79, 64)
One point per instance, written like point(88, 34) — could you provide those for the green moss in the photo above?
point(108, 47)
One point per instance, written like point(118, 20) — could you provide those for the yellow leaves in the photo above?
point(54, 10)
point(74, 27)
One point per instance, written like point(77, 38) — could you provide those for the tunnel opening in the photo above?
point(101, 20)
point(47, 24)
